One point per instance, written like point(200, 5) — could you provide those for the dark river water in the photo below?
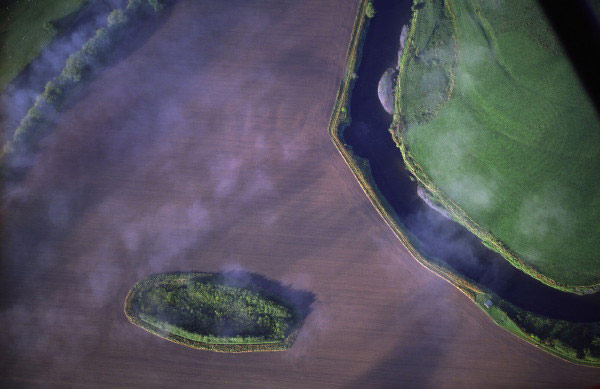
point(439, 239)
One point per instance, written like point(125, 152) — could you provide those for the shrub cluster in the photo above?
point(206, 308)
point(370, 12)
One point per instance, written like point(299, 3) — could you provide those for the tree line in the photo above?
point(78, 67)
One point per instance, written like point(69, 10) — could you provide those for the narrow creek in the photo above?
point(441, 239)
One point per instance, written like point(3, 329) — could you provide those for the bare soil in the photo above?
point(207, 149)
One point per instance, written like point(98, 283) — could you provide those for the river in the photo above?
point(439, 239)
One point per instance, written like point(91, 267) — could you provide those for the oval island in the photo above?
point(224, 312)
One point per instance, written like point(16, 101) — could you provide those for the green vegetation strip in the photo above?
point(26, 27)
point(78, 67)
point(577, 343)
point(212, 312)
point(492, 120)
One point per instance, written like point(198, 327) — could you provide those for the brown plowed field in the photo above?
point(207, 148)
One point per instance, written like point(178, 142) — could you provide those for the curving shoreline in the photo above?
point(361, 169)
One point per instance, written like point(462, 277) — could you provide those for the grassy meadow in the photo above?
point(204, 309)
point(25, 28)
point(496, 123)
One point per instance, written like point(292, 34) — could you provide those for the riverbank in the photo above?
point(361, 169)
point(340, 119)
point(473, 173)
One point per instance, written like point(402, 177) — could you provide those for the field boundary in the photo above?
point(340, 119)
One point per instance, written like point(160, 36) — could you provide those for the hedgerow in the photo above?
point(79, 66)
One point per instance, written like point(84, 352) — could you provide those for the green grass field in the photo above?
point(25, 28)
point(204, 309)
point(498, 124)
